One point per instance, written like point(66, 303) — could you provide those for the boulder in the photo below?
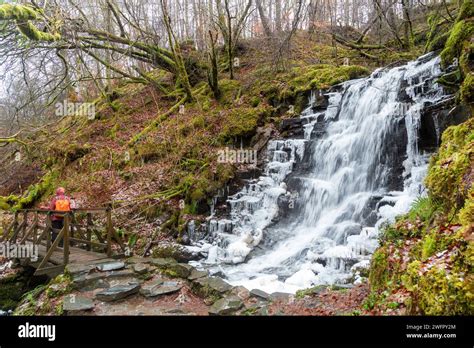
point(259, 294)
point(180, 270)
point(212, 286)
point(76, 303)
point(226, 305)
point(241, 292)
point(140, 268)
point(118, 292)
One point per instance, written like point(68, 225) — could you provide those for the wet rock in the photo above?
point(225, 306)
point(118, 292)
point(260, 294)
point(76, 303)
point(212, 285)
point(140, 268)
point(110, 266)
point(292, 127)
point(195, 274)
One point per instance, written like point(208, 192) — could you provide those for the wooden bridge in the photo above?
point(81, 240)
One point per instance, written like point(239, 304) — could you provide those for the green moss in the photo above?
point(310, 291)
point(324, 76)
point(32, 195)
point(378, 275)
point(150, 151)
point(11, 289)
point(466, 10)
point(19, 12)
point(255, 101)
point(436, 292)
point(448, 168)
point(242, 122)
point(59, 286)
point(33, 33)
point(230, 91)
point(459, 34)
point(467, 89)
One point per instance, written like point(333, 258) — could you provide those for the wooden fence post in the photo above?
point(49, 227)
point(66, 228)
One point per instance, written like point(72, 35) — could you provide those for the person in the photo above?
point(59, 203)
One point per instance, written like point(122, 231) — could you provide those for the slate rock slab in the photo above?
point(110, 266)
point(260, 294)
point(76, 303)
point(118, 292)
point(195, 274)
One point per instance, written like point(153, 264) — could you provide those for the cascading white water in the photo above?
point(350, 167)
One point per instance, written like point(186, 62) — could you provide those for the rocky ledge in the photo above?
point(159, 286)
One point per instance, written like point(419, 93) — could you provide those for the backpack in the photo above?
point(62, 204)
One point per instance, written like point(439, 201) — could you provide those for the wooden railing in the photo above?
point(79, 231)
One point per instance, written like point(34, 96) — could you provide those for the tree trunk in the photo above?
point(263, 19)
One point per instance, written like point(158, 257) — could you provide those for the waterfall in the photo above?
point(302, 225)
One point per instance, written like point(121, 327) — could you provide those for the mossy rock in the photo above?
point(467, 89)
point(448, 169)
point(243, 122)
point(11, 289)
point(458, 36)
point(379, 272)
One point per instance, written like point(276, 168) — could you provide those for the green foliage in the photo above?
point(422, 208)
point(429, 246)
point(438, 286)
